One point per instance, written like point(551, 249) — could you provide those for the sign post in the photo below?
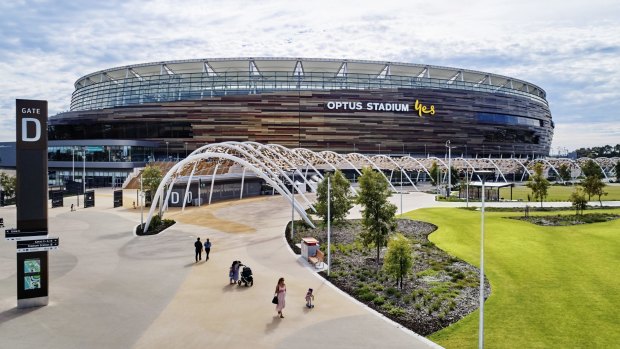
point(31, 194)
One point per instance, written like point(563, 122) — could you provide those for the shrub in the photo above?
point(396, 311)
point(390, 291)
point(367, 297)
point(379, 300)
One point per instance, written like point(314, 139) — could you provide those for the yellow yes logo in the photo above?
point(422, 109)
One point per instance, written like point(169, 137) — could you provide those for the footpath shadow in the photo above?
point(14, 313)
point(275, 322)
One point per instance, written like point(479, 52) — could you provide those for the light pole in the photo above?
point(329, 223)
point(166, 150)
point(483, 175)
point(467, 179)
point(449, 168)
point(293, 209)
point(401, 192)
point(84, 175)
point(142, 204)
point(186, 149)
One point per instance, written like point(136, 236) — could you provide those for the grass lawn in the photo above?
point(552, 287)
point(559, 193)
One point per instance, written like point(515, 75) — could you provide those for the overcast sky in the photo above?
point(569, 48)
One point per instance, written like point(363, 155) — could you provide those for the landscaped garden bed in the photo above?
point(439, 291)
point(157, 226)
point(563, 220)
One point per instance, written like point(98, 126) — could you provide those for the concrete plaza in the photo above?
point(111, 289)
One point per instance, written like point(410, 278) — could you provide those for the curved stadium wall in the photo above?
point(343, 105)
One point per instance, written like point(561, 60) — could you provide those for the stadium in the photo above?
point(342, 105)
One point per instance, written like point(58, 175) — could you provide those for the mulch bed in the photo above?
point(564, 220)
point(439, 291)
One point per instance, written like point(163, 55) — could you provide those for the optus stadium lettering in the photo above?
point(418, 107)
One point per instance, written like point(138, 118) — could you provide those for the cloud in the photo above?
point(570, 49)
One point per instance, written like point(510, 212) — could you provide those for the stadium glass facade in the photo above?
point(344, 105)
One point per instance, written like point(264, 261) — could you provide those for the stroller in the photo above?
point(246, 277)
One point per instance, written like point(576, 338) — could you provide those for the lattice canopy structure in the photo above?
point(285, 169)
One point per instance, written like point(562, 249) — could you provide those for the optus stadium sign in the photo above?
point(417, 107)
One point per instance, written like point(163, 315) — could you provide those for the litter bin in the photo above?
point(309, 247)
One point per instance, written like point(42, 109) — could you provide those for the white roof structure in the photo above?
point(302, 68)
point(280, 167)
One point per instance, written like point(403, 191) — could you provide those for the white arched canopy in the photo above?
point(176, 169)
point(277, 166)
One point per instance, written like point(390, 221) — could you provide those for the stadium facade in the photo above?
point(343, 105)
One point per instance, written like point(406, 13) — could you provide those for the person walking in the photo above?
point(281, 294)
point(198, 247)
point(234, 271)
point(309, 298)
point(207, 249)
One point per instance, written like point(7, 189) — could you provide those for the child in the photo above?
point(309, 299)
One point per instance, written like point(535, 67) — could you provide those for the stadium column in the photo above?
point(31, 194)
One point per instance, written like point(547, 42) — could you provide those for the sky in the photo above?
point(569, 48)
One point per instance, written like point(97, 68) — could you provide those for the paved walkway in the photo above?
point(110, 289)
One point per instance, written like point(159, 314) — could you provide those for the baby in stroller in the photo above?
point(246, 277)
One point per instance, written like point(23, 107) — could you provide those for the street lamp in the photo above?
point(401, 191)
point(84, 175)
point(293, 208)
point(166, 150)
point(141, 203)
point(483, 175)
point(185, 149)
point(449, 168)
point(329, 223)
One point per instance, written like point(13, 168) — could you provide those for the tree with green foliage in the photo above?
point(617, 169)
point(340, 197)
point(454, 176)
point(591, 168)
point(538, 184)
point(593, 186)
point(398, 259)
point(596, 152)
point(564, 172)
point(578, 199)
point(435, 173)
point(151, 177)
point(378, 214)
point(8, 184)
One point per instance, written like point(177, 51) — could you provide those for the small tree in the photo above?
point(454, 176)
point(564, 171)
point(151, 177)
point(377, 212)
point(435, 173)
point(590, 168)
point(593, 186)
point(340, 195)
point(398, 258)
point(617, 169)
point(578, 199)
point(538, 184)
point(8, 184)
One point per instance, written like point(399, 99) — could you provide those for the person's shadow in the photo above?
point(275, 322)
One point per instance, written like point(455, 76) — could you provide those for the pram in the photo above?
point(246, 277)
